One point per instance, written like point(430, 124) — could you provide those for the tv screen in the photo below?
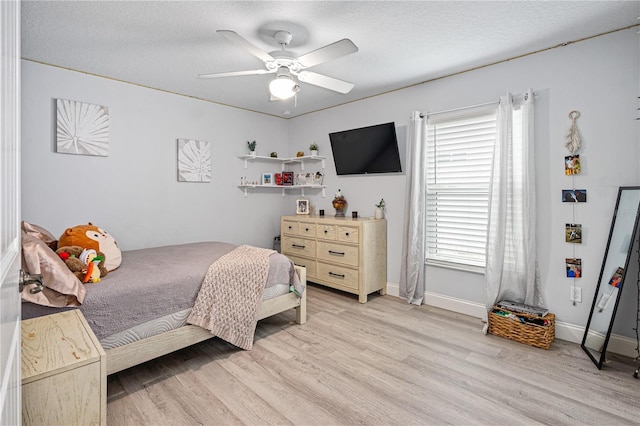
point(372, 149)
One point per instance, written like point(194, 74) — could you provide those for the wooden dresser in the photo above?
point(343, 253)
point(64, 375)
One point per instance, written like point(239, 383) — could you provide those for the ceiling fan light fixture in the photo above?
point(283, 87)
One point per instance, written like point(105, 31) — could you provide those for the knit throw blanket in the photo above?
point(231, 293)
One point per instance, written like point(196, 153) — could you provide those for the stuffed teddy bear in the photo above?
point(92, 237)
point(92, 260)
point(86, 265)
point(70, 255)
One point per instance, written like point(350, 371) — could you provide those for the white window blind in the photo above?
point(459, 158)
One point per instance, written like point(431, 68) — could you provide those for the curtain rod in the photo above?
point(422, 115)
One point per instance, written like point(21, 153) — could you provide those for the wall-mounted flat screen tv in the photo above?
point(372, 149)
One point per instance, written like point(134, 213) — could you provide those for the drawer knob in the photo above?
point(347, 234)
point(306, 229)
point(337, 253)
point(325, 231)
point(333, 274)
point(290, 226)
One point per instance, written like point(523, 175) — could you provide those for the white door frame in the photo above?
point(10, 259)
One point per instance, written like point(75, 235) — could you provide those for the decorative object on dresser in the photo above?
point(339, 203)
point(64, 371)
point(343, 253)
point(379, 213)
point(302, 206)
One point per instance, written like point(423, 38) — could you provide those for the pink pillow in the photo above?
point(40, 233)
point(62, 288)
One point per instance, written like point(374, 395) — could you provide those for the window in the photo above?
point(459, 157)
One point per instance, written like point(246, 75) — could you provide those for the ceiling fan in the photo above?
point(287, 66)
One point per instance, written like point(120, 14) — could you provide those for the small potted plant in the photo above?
point(314, 149)
point(252, 148)
point(379, 214)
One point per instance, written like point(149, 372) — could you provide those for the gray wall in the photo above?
point(134, 193)
point(598, 77)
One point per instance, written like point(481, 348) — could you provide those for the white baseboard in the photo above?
point(473, 309)
point(621, 345)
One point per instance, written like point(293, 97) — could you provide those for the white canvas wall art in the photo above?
point(194, 161)
point(82, 128)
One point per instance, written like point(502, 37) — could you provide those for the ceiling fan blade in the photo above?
point(325, 81)
point(328, 52)
point(241, 42)
point(234, 73)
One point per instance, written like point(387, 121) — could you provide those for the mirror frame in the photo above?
point(600, 360)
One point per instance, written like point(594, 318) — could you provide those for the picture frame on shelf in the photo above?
point(302, 206)
point(287, 178)
point(267, 178)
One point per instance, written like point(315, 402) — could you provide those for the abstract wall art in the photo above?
point(82, 128)
point(194, 160)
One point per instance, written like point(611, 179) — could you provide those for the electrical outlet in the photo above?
point(575, 294)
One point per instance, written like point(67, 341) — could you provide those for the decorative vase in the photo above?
point(340, 204)
point(379, 214)
point(252, 153)
point(314, 152)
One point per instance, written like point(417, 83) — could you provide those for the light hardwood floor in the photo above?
point(380, 363)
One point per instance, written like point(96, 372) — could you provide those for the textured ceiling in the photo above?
point(165, 45)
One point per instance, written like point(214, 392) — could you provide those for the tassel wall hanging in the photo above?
point(573, 138)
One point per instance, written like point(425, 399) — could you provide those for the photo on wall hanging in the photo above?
point(574, 268)
point(82, 128)
point(616, 279)
point(573, 233)
point(574, 195)
point(194, 160)
point(572, 165)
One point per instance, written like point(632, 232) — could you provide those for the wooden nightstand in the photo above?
point(64, 375)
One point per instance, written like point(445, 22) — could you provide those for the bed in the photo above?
point(143, 309)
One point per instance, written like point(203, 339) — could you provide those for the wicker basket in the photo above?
point(539, 336)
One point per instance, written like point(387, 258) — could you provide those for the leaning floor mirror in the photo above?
point(612, 274)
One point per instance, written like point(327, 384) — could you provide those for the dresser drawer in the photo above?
point(299, 246)
point(310, 264)
point(339, 275)
point(290, 227)
point(306, 229)
point(327, 232)
point(339, 253)
point(348, 234)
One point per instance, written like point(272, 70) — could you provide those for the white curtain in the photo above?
point(511, 245)
point(413, 244)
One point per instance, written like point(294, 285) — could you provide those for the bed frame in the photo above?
point(123, 357)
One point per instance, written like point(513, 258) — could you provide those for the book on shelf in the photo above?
point(521, 307)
